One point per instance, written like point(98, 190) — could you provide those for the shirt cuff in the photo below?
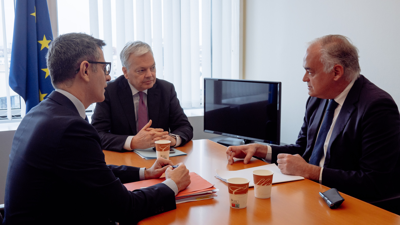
point(268, 157)
point(141, 173)
point(171, 184)
point(127, 144)
point(320, 175)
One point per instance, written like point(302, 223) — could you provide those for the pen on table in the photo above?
point(176, 166)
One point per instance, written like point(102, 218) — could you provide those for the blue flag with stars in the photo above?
point(29, 76)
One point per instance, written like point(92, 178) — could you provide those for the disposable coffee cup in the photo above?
point(262, 183)
point(238, 189)
point(162, 148)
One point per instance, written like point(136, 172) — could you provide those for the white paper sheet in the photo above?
point(278, 177)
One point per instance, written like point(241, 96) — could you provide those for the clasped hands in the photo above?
point(287, 163)
point(146, 137)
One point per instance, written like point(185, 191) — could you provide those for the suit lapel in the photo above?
point(313, 130)
point(153, 103)
point(348, 107)
point(126, 100)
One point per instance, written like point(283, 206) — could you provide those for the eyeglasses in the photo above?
point(107, 68)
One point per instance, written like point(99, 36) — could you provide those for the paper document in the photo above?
point(149, 153)
point(278, 177)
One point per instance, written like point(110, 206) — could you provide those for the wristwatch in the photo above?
point(174, 137)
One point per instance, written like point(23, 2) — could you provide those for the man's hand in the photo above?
point(246, 152)
point(157, 169)
point(179, 175)
point(146, 137)
point(296, 165)
point(169, 138)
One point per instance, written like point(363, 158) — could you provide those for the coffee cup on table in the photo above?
point(238, 188)
point(262, 183)
point(162, 148)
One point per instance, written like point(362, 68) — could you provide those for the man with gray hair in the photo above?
point(350, 138)
point(140, 109)
point(57, 173)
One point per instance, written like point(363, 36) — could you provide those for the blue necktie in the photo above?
point(318, 151)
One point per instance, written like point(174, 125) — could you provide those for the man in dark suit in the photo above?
point(57, 173)
point(137, 98)
point(358, 151)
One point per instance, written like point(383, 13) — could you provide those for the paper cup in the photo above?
point(162, 147)
point(262, 183)
point(238, 188)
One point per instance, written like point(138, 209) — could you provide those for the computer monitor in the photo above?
point(243, 109)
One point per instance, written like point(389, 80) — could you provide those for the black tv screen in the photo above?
point(249, 110)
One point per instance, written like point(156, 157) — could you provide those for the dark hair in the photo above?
point(67, 52)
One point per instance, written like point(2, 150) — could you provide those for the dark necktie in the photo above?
point(86, 119)
point(142, 113)
point(318, 151)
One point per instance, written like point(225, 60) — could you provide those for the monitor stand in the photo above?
point(227, 141)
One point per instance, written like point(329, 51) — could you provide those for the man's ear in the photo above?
point(338, 72)
point(84, 71)
point(125, 71)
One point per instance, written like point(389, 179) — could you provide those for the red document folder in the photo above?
point(198, 187)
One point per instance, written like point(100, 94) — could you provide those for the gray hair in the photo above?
point(67, 52)
point(337, 49)
point(137, 48)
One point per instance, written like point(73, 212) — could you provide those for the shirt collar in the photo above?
point(78, 104)
point(342, 96)
point(134, 90)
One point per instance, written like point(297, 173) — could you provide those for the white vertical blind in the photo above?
point(139, 35)
point(107, 30)
point(158, 38)
point(94, 18)
point(120, 17)
point(190, 39)
point(147, 22)
point(226, 38)
point(168, 41)
point(4, 31)
point(185, 60)
point(216, 24)
point(235, 44)
point(129, 31)
point(194, 54)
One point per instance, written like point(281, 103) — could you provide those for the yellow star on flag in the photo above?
point(41, 96)
point(44, 43)
point(34, 14)
point(47, 72)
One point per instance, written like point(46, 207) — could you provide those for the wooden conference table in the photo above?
point(295, 202)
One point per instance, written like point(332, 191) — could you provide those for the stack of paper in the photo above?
point(278, 177)
point(149, 153)
point(199, 188)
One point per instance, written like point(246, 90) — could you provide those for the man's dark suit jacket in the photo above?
point(363, 155)
point(57, 174)
point(115, 120)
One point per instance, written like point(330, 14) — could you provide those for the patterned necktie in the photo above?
point(142, 113)
point(318, 151)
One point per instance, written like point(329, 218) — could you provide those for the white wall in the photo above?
point(277, 33)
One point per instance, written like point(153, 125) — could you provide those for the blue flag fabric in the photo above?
point(29, 75)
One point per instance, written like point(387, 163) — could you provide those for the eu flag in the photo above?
point(29, 76)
